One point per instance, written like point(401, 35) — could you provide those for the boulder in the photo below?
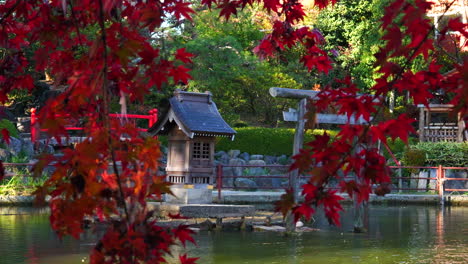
point(237, 171)
point(413, 182)
point(227, 182)
point(270, 159)
point(232, 172)
point(244, 183)
point(28, 148)
point(15, 146)
point(23, 124)
point(422, 183)
point(256, 157)
point(283, 160)
point(432, 183)
point(454, 184)
point(4, 154)
point(245, 156)
point(234, 153)
point(269, 183)
point(260, 170)
point(222, 157)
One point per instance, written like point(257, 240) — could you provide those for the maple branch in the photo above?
point(10, 11)
point(105, 110)
point(76, 24)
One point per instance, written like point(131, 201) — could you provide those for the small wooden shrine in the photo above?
point(438, 123)
point(192, 124)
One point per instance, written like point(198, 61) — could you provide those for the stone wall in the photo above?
point(258, 176)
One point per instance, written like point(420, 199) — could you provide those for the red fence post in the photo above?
point(153, 113)
point(33, 125)
point(440, 182)
point(219, 181)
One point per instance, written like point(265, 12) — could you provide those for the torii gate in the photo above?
point(298, 116)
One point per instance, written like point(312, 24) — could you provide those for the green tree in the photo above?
point(225, 64)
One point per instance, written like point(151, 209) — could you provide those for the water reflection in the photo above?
point(413, 234)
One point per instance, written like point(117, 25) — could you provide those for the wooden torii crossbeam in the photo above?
point(298, 116)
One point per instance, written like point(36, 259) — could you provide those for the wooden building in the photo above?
point(192, 124)
point(439, 123)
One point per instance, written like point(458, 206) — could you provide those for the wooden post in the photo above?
point(360, 209)
point(400, 180)
point(219, 181)
point(421, 124)
point(297, 145)
point(461, 127)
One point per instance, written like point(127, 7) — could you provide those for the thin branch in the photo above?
point(9, 11)
point(105, 110)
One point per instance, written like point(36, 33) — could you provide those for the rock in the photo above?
point(15, 146)
point(222, 157)
point(270, 160)
point(260, 169)
point(256, 157)
point(413, 182)
point(237, 171)
point(245, 156)
point(454, 184)
point(274, 228)
point(243, 183)
point(227, 182)
point(28, 148)
point(23, 124)
point(4, 154)
point(279, 171)
point(283, 160)
point(232, 172)
point(234, 153)
point(432, 183)
point(206, 225)
point(219, 154)
point(269, 183)
point(422, 183)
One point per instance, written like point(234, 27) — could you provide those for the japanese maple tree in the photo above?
point(102, 49)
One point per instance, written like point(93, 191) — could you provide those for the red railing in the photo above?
point(439, 178)
point(152, 118)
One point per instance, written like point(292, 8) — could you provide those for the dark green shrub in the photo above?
point(266, 141)
point(448, 154)
point(240, 124)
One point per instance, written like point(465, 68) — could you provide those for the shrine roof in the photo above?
point(195, 114)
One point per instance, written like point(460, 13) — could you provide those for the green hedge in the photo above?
point(448, 154)
point(265, 141)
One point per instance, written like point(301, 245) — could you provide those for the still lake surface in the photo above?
point(397, 234)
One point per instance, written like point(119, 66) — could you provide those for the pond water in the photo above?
point(406, 234)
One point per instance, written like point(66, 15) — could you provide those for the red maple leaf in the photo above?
point(285, 203)
point(184, 234)
point(303, 210)
point(182, 9)
point(180, 74)
point(183, 56)
point(228, 8)
point(324, 3)
point(186, 260)
point(6, 135)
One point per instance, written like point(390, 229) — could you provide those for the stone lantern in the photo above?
point(192, 124)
